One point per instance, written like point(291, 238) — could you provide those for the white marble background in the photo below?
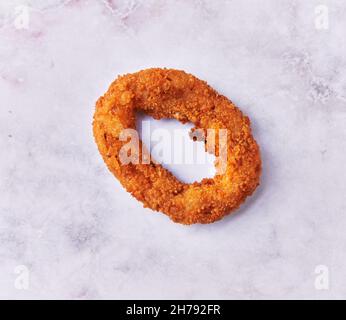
point(79, 235)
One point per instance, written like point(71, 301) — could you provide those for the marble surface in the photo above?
point(69, 230)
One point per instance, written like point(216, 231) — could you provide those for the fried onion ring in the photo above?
point(169, 93)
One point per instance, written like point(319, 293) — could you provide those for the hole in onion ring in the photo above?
point(176, 147)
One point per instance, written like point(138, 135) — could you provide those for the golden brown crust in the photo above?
point(169, 93)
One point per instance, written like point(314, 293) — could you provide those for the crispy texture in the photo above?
point(169, 93)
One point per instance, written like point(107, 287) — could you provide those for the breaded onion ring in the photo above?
point(169, 93)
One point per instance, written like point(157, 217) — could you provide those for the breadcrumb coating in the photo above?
point(169, 93)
